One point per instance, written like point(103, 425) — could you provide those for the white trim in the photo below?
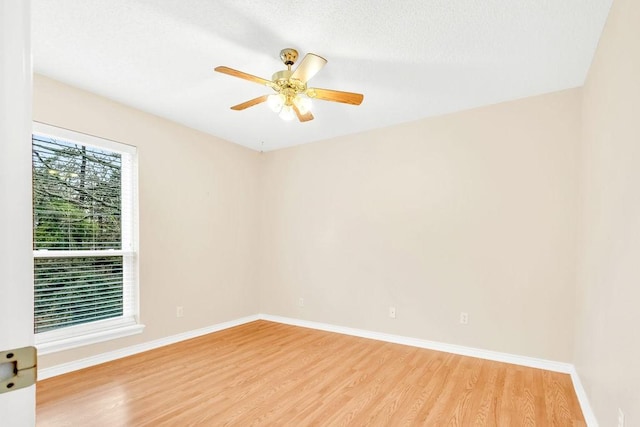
point(68, 342)
point(549, 365)
point(64, 368)
point(82, 138)
point(587, 411)
point(51, 253)
point(16, 271)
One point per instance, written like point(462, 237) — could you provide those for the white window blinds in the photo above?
point(71, 291)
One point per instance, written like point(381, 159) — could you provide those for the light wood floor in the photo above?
point(270, 374)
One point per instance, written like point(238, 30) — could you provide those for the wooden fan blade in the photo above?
point(250, 103)
point(335, 96)
point(240, 74)
point(302, 117)
point(310, 65)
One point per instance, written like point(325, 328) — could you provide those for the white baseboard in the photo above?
point(64, 368)
point(531, 362)
point(549, 365)
point(587, 411)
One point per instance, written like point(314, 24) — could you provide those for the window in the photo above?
point(84, 239)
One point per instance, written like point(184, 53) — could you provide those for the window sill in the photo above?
point(93, 337)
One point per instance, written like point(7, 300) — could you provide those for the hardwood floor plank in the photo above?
point(481, 395)
point(265, 374)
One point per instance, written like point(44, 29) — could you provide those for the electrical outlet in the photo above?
point(464, 318)
point(179, 311)
point(301, 302)
point(392, 312)
point(620, 418)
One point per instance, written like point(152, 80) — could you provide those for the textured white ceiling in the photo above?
point(411, 59)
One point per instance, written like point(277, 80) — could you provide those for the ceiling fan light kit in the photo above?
point(293, 98)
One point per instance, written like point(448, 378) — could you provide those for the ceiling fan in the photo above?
point(293, 97)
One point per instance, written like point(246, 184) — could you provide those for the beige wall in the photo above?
point(473, 212)
point(608, 343)
point(197, 215)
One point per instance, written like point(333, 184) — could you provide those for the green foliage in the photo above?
point(65, 224)
point(76, 196)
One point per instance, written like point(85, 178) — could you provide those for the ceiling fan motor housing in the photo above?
point(289, 56)
point(284, 84)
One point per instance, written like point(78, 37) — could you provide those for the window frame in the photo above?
point(129, 323)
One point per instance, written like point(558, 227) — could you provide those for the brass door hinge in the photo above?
point(24, 363)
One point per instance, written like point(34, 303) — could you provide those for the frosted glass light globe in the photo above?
point(287, 113)
point(276, 102)
point(303, 104)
